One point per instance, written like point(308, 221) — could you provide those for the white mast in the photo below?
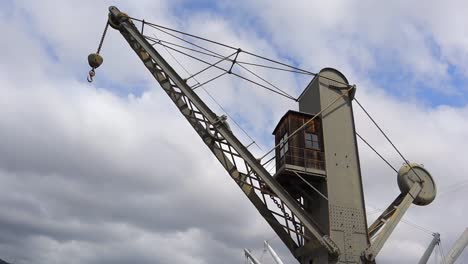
point(250, 257)
point(273, 253)
point(457, 248)
point(430, 248)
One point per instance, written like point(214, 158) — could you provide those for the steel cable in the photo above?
point(378, 154)
point(232, 73)
point(159, 27)
point(219, 105)
point(388, 139)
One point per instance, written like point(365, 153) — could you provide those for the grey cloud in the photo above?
point(88, 176)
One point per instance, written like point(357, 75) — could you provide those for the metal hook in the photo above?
point(91, 75)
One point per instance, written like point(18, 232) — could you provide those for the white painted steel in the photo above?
point(457, 248)
point(275, 256)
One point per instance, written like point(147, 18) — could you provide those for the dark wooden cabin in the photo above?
point(303, 153)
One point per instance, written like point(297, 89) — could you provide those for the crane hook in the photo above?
point(94, 59)
point(91, 75)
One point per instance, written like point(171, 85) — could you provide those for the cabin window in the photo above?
point(311, 141)
point(284, 145)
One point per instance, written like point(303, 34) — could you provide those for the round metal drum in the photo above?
point(408, 175)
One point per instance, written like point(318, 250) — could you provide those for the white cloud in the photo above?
point(90, 176)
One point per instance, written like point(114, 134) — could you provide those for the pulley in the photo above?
point(417, 174)
point(114, 20)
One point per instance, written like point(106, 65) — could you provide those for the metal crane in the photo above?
point(330, 228)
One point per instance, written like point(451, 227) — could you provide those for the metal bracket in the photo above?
point(221, 120)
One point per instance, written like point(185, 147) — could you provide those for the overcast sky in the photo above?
point(111, 172)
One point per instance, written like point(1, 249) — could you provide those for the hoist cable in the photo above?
point(376, 152)
point(186, 41)
point(184, 33)
point(264, 86)
point(388, 139)
point(216, 55)
point(102, 38)
point(297, 70)
point(193, 57)
point(198, 85)
point(211, 65)
point(258, 76)
point(184, 47)
point(280, 63)
point(219, 105)
point(271, 67)
point(218, 43)
point(233, 73)
point(158, 27)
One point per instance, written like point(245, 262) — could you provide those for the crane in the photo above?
point(326, 225)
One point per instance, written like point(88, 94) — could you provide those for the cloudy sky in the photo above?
point(110, 172)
